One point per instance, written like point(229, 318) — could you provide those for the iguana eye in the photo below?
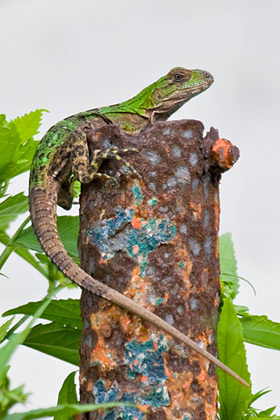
point(206, 74)
point(178, 77)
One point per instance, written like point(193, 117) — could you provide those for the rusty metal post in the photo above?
point(156, 241)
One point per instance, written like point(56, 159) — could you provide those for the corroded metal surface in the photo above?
point(155, 240)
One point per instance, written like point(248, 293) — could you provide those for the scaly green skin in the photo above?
point(63, 156)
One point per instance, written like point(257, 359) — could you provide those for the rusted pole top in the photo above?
point(155, 240)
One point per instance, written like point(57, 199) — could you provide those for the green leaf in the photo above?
point(262, 418)
point(10, 247)
point(253, 413)
point(68, 228)
point(227, 255)
point(62, 311)
point(67, 395)
point(76, 189)
point(4, 328)
point(265, 418)
point(55, 340)
point(241, 310)
point(9, 397)
point(261, 331)
point(23, 253)
point(65, 409)
point(11, 208)
point(28, 125)
point(234, 397)
point(16, 339)
point(259, 394)
point(16, 152)
point(267, 413)
point(229, 278)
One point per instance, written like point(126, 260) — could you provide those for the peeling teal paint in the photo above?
point(159, 301)
point(114, 394)
point(145, 240)
point(138, 196)
point(153, 202)
point(118, 234)
point(146, 359)
point(102, 395)
point(107, 234)
point(182, 264)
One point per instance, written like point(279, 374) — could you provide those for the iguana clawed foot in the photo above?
point(114, 153)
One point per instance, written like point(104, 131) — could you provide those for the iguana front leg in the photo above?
point(85, 169)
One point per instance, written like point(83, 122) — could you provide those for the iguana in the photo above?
point(63, 156)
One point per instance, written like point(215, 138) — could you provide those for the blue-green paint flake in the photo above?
point(104, 396)
point(159, 301)
point(118, 234)
point(182, 264)
point(114, 394)
point(138, 196)
point(108, 235)
point(145, 358)
point(153, 202)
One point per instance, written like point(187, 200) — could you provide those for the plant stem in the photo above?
point(10, 247)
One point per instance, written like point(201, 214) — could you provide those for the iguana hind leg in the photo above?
point(65, 194)
point(86, 170)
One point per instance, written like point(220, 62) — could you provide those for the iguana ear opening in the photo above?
point(158, 95)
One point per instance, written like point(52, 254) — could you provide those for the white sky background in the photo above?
point(68, 56)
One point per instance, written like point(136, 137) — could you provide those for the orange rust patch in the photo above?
point(221, 150)
point(136, 222)
point(217, 248)
point(143, 407)
point(180, 397)
point(181, 254)
point(99, 355)
point(186, 384)
point(197, 208)
point(125, 322)
point(90, 384)
point(136, 249)
point(217, 216)
point(202, 376)
point(138, 288)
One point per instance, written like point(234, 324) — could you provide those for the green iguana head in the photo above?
point(161, 99)
point(170, 92)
